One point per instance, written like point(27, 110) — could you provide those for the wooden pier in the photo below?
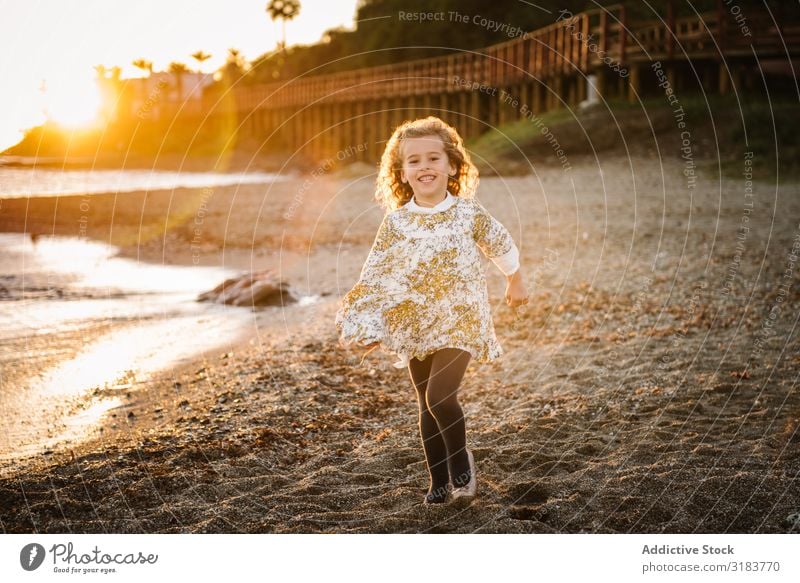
point(351, 114)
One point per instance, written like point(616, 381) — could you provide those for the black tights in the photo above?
point(441, 420)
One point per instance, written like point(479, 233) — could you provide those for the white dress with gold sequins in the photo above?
point(423, 286)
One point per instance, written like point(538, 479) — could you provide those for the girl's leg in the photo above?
point(432, 441)
point(447, 370)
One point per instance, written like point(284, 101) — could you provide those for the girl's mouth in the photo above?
point(427, 178)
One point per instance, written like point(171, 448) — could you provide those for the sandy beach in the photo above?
point(649, 387)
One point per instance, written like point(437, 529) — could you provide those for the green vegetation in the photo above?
point(717, 124)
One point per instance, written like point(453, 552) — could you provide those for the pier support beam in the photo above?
point(474, 114)
point(724, 80)
point(538, 90)
point(502, 107)
point(493, 113)
point(634, 84)
point(360, 131)
point(524, 97)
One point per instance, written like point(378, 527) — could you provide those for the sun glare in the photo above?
point(74, 104)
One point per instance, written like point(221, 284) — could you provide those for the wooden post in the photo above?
point(475, 113)
point(526, 57)
point(400, 112)
point(298, 136)
point(558, 93)
point(724, 81)
point(464, 123)
point(736, 72)
point(383, 122)
point(360, 135)
point(538, 61)
point(286, 128)
point(571, 90)
point(560, 50)
point(444, 108)
point(319, 131)
point(603, 31)
point(336, 128)
point(502, 117)
point(493, 117)
point(350, 127)
point(426, 104)
point(581, 80)
point(633, 84)
point(537, 89)
point(301, 125)
point(584, 46)
point(325, 128)
point(524, 96)
point(255, 120)
point(600, 83)
point(313, 131)
point(391, 118)
point(283, 123)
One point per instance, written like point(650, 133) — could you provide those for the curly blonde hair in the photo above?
point(392, 192)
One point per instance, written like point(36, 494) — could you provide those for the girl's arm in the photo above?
point(496, 243)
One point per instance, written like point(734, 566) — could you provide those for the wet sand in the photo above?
point(649, 387)
point(80, 328)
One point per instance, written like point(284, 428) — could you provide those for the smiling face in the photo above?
point(426, 167)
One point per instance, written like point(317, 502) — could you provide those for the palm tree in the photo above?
point(178, 70)
point(201, 58)
point(146, 67)
point(234, 66)
point(285, 10)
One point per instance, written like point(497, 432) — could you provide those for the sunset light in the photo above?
point(523, 267)
point(73, 103)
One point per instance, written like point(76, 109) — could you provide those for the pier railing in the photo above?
point(547, 68)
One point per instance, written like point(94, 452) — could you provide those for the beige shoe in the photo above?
point(469, 490)
point(439, 496)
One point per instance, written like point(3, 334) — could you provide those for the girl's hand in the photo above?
point(516, 292)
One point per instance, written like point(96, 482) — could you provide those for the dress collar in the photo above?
point(449, 200)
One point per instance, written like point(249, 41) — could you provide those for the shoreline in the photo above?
point(233, 161)
point(99, 352)
point(624, 401)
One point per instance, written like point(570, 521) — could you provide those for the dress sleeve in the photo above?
point(495, 241)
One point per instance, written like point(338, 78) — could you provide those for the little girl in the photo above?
point(422, 291)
